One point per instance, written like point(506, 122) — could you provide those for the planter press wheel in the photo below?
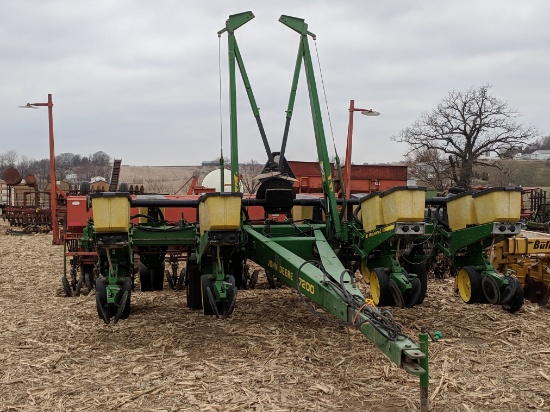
point(223, 308)
point(169, 279)
point(126, 288)
point(272, 281)
point(412, 295)
point(469, 285)
point(226, 307)
point(181, 280)
point(491, 291)
point(101, 301)
point(66, 286)
point(421, 271)
point(538, 293)
point(516, 302)
point(509, 290)
point(396, 294)
point(193, 285)
point(209, 306)
point(88, 276)
point(253, 279)
point(380, 287)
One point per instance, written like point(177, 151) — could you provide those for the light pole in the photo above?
point(347, 166)
point(53, 181)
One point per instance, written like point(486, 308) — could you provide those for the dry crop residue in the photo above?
point(273, 354)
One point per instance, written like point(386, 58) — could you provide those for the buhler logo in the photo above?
point(541, 244)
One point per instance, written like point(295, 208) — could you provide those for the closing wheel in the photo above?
point(181, 280)
point(253, 279)
point(126, 287)
point(66, 287)
point(516, 302)
point(412, 295)
point(469, 284)
point(538, 293)
point(270, 279)
point(380, 287)
point(79, 284)
point(226, 307)
point(209, 307)
point(101, 301)
point(396, 294)
point(193, 285)
point(509, 290)
point(88, 276)
point(421, 270)
point(169, 279)
point(145, 278)
point(490, 289)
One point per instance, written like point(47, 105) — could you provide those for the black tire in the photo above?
point(254, 279)
point(226, 308)
point(236, 268)
point(491, 290)
point(412, 295)
point(84, 188)
point(145, 280)
point(508, 291)
point(181, 279)
point(193, 286)
point(88, 276)
point(207, 307)
point(66, 287)
point(469, 285)
point(396, 294)
point(169, 279)
point(127, 287)
point(384, 294)
point(157, 275)
point(101, 301)
point(421, 271)
point(516, 302)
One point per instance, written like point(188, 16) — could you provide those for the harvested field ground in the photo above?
point(271, 355)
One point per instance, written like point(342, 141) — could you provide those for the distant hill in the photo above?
point(526, 173)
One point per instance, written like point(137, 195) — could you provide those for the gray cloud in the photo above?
point(139, 79)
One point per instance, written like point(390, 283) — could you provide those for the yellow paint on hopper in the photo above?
point(498, 204)
point(220, 211)
point(461, 211)
point(111, 212)
point(403, 204)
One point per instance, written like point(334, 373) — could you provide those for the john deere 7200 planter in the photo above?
point(315, 257)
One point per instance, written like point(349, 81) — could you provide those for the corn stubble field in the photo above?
point(273, 354)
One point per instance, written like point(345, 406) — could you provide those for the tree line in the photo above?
point(69, 166)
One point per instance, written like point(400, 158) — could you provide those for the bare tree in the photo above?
point(8, 159)
point(249, 170)
point(464, 127)
point(429, 168)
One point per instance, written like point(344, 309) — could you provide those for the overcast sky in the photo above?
point(140, 81)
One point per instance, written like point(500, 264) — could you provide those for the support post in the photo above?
point(53, 179)
point(425, 377)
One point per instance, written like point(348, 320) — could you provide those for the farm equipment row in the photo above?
point(391, 237)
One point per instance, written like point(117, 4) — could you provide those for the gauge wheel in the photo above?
point(469, 285)
point(380, 287)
